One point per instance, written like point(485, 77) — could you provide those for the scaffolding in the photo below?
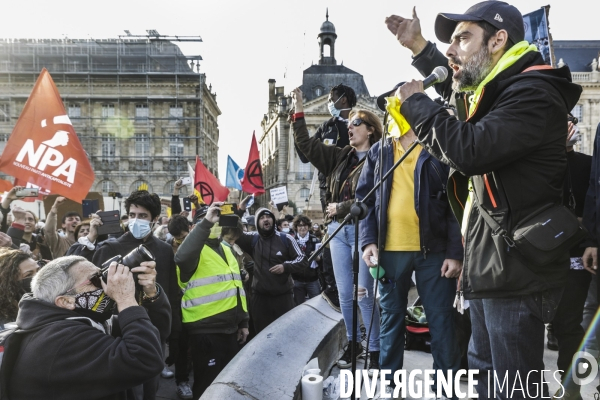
point(140, 107)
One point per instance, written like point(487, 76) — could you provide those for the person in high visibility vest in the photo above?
point(213, 307)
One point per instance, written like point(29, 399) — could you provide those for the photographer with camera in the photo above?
point(27, 221)
point(73, 347)
point(214, 310)
point(143, 209)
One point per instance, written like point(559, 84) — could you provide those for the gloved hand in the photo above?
point(173, 351)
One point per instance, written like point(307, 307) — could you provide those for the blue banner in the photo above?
point(234, 174)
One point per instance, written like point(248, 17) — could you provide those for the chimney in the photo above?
point(272, 96)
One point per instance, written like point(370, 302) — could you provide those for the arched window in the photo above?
point(304, 192)
point(140, 185)
point(106, 186)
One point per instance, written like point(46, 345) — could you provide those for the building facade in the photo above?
point(138, 107)
point(280, 162)
point(582, 58)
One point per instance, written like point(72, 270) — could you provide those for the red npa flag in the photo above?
point(252, 181)
point(208, 185)
point(44, 149)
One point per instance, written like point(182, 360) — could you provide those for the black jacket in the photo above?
point(308, 274)
point(187, 259)
point(591, 216)
point(579, 171)
point(71, 359)
point(166, 276)
point(332, 162)
point(269, 250)
point(513, 148)
point(335, 131)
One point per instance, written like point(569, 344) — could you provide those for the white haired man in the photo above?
point(73, 347)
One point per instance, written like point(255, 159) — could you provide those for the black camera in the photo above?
point(131, 260)
point(572, 119)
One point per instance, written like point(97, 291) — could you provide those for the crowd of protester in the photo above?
point(187, 291)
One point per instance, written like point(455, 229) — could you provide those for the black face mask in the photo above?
point(26, 284)
point(95, 305)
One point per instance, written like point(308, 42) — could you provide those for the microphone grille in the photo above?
point(441, 73)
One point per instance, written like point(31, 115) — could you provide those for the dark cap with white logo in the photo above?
point(497, 13)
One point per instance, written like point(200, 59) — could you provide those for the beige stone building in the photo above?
point(280, 162)
point(140, 107)
point(582, 58)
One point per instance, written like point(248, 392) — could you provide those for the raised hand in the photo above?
point(407, 31)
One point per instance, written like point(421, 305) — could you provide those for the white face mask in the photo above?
point(334, 111)
point(139, 228)
point(285, 230)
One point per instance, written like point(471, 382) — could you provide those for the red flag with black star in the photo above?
point(252, 182)
point(208, 185)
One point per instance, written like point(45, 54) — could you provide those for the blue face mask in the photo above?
point(334, 111)
point(139, 228)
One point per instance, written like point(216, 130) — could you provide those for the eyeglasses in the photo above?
point(359, 122)
point(94, 280)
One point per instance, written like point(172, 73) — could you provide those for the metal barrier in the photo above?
point(270, 366)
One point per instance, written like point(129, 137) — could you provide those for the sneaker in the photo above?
point(373, 362)
point(346, 360)
point(331, 296)
point(167, 373)
point(184, 391)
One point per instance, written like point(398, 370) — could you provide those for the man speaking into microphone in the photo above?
point(508, 159)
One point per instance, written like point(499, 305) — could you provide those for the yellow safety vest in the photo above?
point(213, 288)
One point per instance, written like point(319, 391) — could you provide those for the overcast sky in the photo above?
point(246, 43)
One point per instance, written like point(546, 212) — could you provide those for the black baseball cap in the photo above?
point(497, 13)
point(381, 98)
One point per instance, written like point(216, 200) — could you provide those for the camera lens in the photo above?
point(137, 256)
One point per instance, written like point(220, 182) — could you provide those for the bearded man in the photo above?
point(508, 159)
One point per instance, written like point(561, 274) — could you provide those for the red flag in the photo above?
point(5, 186)
point(208, 185)
point(252, 181)
point(44, 149)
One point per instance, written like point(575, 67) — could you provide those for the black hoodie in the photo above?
point(513, 148)
point(269, 248)
point(73, 359)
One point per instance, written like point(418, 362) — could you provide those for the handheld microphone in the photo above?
point(439, 74)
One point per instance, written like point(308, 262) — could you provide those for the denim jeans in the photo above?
point(342, 249)
point(508, 339)
point(301, 289)
point(437, 296)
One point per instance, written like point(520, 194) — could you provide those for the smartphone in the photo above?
point(186, 181)
point(28, 192)
point(89, 207)
point(111, 222)
point(187, 204)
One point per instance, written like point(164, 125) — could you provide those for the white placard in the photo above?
point(279, 195)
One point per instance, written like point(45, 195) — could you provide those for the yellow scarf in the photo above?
point(507, 59)
point(398, 125)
